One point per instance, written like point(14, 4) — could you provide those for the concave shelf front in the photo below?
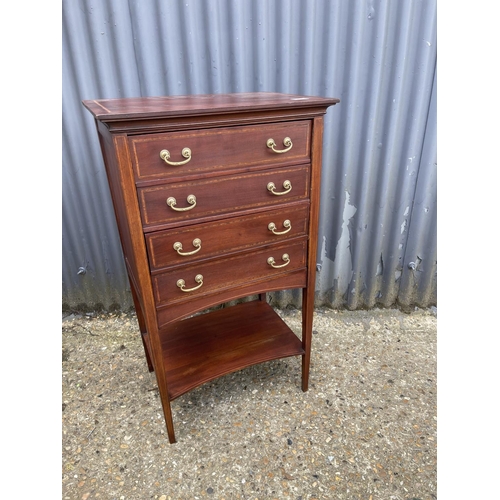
point(213, 344)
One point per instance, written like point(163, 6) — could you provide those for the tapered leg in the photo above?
point(142, 326)
point(308, 292)
point(167, 413)
point(148, 358)
point(165, 400)
point(307, 320)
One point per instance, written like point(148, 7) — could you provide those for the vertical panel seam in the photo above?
point(410, 218)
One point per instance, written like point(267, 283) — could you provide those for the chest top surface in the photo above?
point(130, 108)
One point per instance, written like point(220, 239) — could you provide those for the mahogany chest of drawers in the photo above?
point(216, 198)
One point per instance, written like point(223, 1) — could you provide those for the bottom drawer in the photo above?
point(197, 280)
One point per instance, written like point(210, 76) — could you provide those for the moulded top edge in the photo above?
point(171, 106)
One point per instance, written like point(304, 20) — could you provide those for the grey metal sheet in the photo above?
point(378, 57)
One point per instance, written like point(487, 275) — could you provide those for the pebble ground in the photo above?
point(366, 429)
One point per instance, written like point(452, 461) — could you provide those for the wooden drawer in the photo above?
point(283, 281)
point(224, 273)
point(206, 240)
point(219, 149)
point(222, 195)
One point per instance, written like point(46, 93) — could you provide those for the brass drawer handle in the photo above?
point(286, 142)
point(196, 244)
point(286, 223)
point(287, 185)
point(181, 284)
point(285, 258)
point(165, 155)
point(191, 199)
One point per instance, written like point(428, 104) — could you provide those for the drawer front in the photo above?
point(219, 149)
point(205, 240)
point(284, 281)
point(203, 278)
point(222, 195)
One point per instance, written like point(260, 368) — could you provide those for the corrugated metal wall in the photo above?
point(378, 210)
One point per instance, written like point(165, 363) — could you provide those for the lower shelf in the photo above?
point(210, 345)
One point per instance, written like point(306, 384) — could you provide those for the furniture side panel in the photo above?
point(118, 197)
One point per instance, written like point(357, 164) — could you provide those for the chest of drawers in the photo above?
point(216, 198)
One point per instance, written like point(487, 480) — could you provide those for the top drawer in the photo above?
point(219, 149)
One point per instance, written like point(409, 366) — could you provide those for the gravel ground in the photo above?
point(366, 429)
